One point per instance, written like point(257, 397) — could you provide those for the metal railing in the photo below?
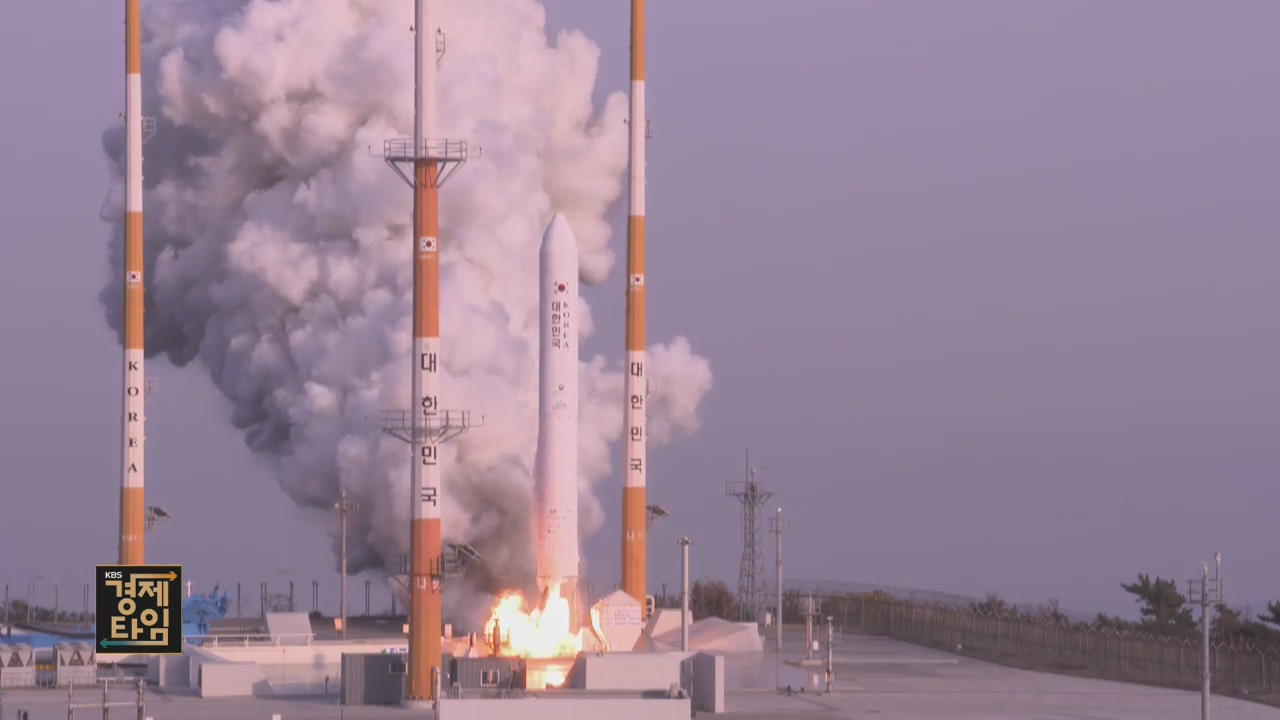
point(1055, 644)
point(440, 150)
point(440, 427)
point(449, 154)
point(103, 703)
point(251, 640)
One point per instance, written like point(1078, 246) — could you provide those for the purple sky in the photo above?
point(988, 287)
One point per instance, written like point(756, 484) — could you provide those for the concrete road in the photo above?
point(888, 680)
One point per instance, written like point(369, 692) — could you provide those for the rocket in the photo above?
point(555, 472)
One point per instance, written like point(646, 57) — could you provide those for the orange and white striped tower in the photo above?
point(426, 624)
point(634, 526)
point(429, 161)
point(132, 502)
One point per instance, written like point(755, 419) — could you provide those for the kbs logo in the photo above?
point(139, 609)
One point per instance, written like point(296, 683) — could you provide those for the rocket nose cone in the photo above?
point(559, 237)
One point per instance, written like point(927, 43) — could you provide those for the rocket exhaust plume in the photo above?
point(635, 530)
point(276, 255)
point(132, 500)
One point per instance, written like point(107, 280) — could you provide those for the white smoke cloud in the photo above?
point(278, 248)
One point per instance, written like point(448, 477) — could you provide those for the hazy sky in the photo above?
point(987, 286)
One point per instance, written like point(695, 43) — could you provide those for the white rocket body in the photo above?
point(556, 463)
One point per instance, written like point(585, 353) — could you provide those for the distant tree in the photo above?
point(992, 604)
point(845, 606)
point(1259, 634)
point(1162, 606)
point(1239, 626)
point(1227, 624)
point(791, 607)
point(878, 596)
point(1051, 611)
point(712, 598)
point(18, 612)
point(1111, 622)
point(1272, 616)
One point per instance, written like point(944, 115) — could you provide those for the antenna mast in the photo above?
point(752, 494)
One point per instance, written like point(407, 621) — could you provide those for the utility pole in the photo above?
point(810, 607)
point(344, 508)
point(684, 542)
point(1210, 591)
point(830, 664)
point(1205, 672)
point(8, 629)
point(778, 526)
point(366, 598)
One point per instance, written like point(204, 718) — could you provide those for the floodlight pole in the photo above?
point(809, 611)
point(344, 507)
point(1210, 591)
point(779, 527)
point(342, 580)
point(1204, 646)
point(830, 658)
point(685, 542)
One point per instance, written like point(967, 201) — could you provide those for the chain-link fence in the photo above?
point(1057, 645)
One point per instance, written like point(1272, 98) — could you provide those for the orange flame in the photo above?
point(536, 633)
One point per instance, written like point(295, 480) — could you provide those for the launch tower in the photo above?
point(635, 535)
point(133, 419)
point(425, 162)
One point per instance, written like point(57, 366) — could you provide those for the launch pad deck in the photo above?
point(875, 676)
